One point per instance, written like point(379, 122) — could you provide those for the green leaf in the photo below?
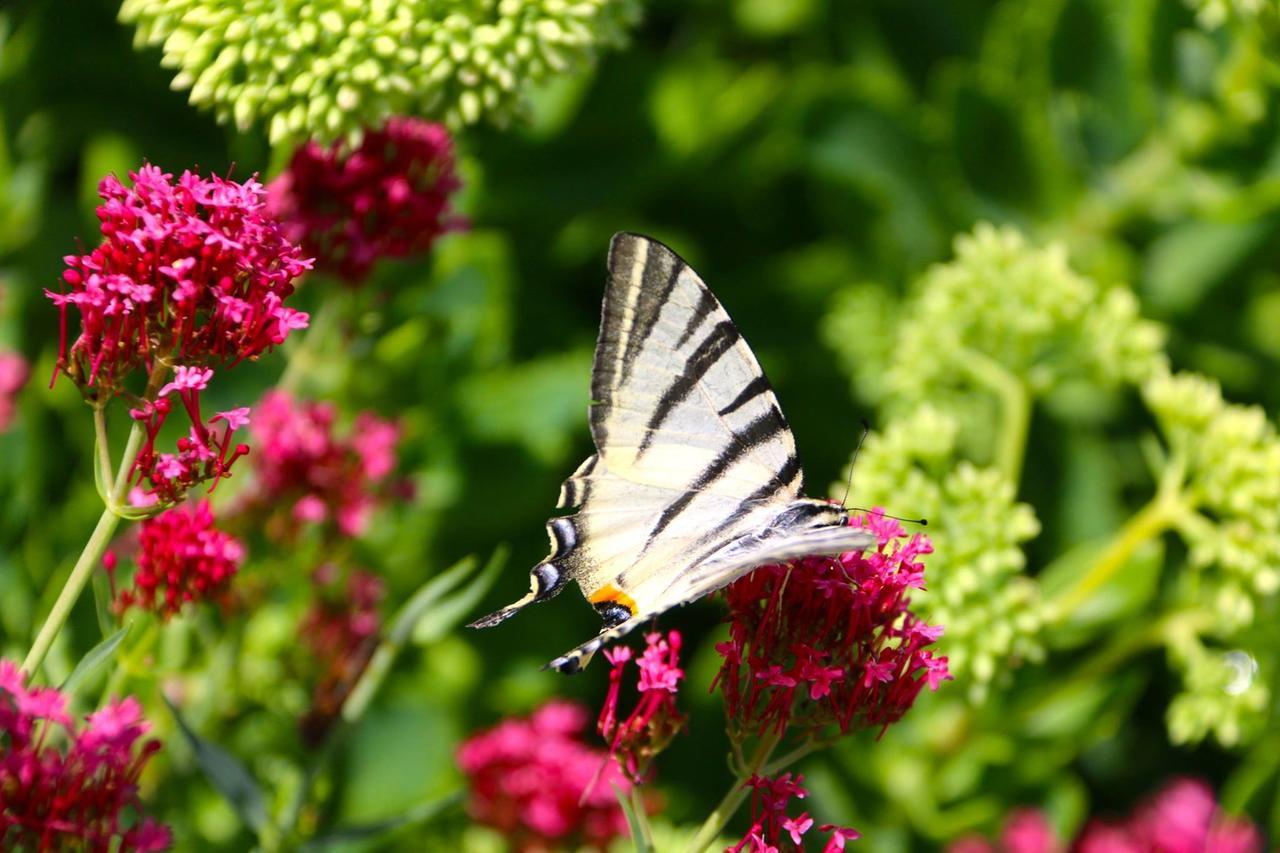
point(93, 661)
point(368, 831)
point(428, 597)
point(231, 778)
point(1189, 261)
point(450, 613)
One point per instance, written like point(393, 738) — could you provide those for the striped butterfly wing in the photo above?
point(694, 457)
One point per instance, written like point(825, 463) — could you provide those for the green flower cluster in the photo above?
point(325, 69)
point(1227, 506)
point(1222, 696)
point(1004, 317)
point(990, 610)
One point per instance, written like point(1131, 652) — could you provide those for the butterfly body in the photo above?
point(695, 480)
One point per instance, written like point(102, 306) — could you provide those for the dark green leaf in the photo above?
point(368, 831)
point(93, 661)
point(231, 778)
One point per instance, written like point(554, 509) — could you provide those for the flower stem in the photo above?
point(720, 816)
point(80, 574)
point(91, 556)
point(641, 815)
point(1151, 521)
point(1015, 405)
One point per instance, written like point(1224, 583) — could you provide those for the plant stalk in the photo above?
point(80, 574)
point(720, 816)
point(1015, 408)
point(1151, 521)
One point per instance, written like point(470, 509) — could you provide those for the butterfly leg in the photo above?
point(545, 582)
point(574, 660)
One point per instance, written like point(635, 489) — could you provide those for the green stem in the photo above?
point(80, 574)
point(719, 816)
point(1151, 521)
point(645, 831)
point(91, 556)
point(104, 450)
point(1015, 408)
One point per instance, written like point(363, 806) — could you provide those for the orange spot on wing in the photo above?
point(609, 592)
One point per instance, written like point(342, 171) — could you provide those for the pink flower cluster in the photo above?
point(1182, 818)
point(13, 375)
point(189, 272)
point(536, 782)
point(205, 454)
point(387, 198)
point(654, 721)
point(76, 789)
point(830, 640)
point(340, 631)
point(181, 557)
point(771, 827)
point(320, 476)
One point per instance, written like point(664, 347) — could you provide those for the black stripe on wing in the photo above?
point(718, 341)
point(706, 304)
point(753, 389)
point(765, 427)
point(658, 279)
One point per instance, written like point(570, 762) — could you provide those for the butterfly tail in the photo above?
point(575, 660)
point(545, 582)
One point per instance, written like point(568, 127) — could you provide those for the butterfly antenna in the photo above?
point(866, 428)
point(923, 522)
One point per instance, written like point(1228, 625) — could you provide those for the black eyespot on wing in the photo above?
point(550, 580)
point(564, 537)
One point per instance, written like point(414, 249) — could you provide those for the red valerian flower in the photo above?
point(771, 827)
point(13, 375)
point(389, 197)
point(654, 721)
point(77, 789)
point(823, 640)
point(181, 557)
point(536, 782)
point(189, 272)
point(1182, 818)
point(304, 466)
point(340, 631)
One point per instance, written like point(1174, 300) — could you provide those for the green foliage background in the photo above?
point(812, 160)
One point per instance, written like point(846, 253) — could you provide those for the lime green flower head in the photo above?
point(1002, 312)
point(989, 609)
point(1222, 696)
point(1229, 459)
point(324, 69)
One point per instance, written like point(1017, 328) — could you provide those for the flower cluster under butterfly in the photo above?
point(695, 480)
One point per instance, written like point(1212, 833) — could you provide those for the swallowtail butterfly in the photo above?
point(695, 479)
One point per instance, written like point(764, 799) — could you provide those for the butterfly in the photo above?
point(695, 479)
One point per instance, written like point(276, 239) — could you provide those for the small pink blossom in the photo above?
point(76, 789)
point(655, 720)
point(191, 271)
point(320, 474)
point(340, 631)
point(390, 197)
point(188, 379)
point(537, 783)
point(14, 371)
point(824, 640)
point(182, 557)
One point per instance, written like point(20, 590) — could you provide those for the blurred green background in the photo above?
point(790, 150)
